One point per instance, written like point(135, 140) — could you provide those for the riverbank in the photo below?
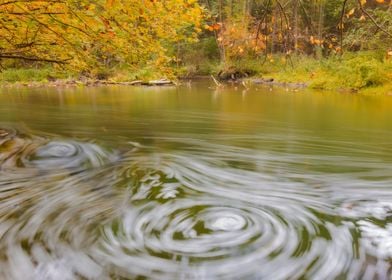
point(51, 77)
point(363, 72)
point(353, 72)
point(87, 83)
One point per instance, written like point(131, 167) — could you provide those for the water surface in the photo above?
point(194, 183)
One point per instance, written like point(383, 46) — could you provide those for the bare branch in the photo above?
point(341, 24)
point(372, 19)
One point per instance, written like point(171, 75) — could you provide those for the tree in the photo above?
point(85, 34)
point(255, 27)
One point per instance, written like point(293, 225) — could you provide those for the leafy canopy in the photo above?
point(86, 34)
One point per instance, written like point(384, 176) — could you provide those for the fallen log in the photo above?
point(161, 82)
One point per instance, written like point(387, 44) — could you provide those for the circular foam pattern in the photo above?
point(215, 238)
point(68, 154)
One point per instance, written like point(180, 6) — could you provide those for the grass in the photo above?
point(362, 71)
point(47, 74)
point(351, 71)
point(25, 75)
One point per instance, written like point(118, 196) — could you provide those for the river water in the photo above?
point(194, 183)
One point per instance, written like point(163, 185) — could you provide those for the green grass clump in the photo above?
point(352, 71)
point(13, 75)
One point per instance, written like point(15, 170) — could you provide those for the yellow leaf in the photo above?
point(341, 26)
point(350, 13)
point(318, 42)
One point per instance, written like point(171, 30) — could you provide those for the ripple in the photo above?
point(20, 150)
point(70, 154)
point(377, 209)
point(373, 222)
point(48, 224)
point(54, 194)
point(73, 209)
point(215, 238)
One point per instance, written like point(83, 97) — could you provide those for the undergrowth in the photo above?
point(351, 71)
point(359, 71)
point(13, 75)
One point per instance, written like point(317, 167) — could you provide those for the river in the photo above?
point(191, 182)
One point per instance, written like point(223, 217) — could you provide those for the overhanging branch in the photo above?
point(31, 58)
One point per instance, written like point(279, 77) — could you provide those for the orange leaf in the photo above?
point(109, 3)
point(216, 26)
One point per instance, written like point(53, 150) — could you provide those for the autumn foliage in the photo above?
point(265, 27)
point(88, 34)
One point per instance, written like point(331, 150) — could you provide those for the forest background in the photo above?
point(334, 44)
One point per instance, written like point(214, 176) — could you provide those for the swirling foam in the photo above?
point(70, 154)
point(19, 150)
point(69, 209)
point(216, 238)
